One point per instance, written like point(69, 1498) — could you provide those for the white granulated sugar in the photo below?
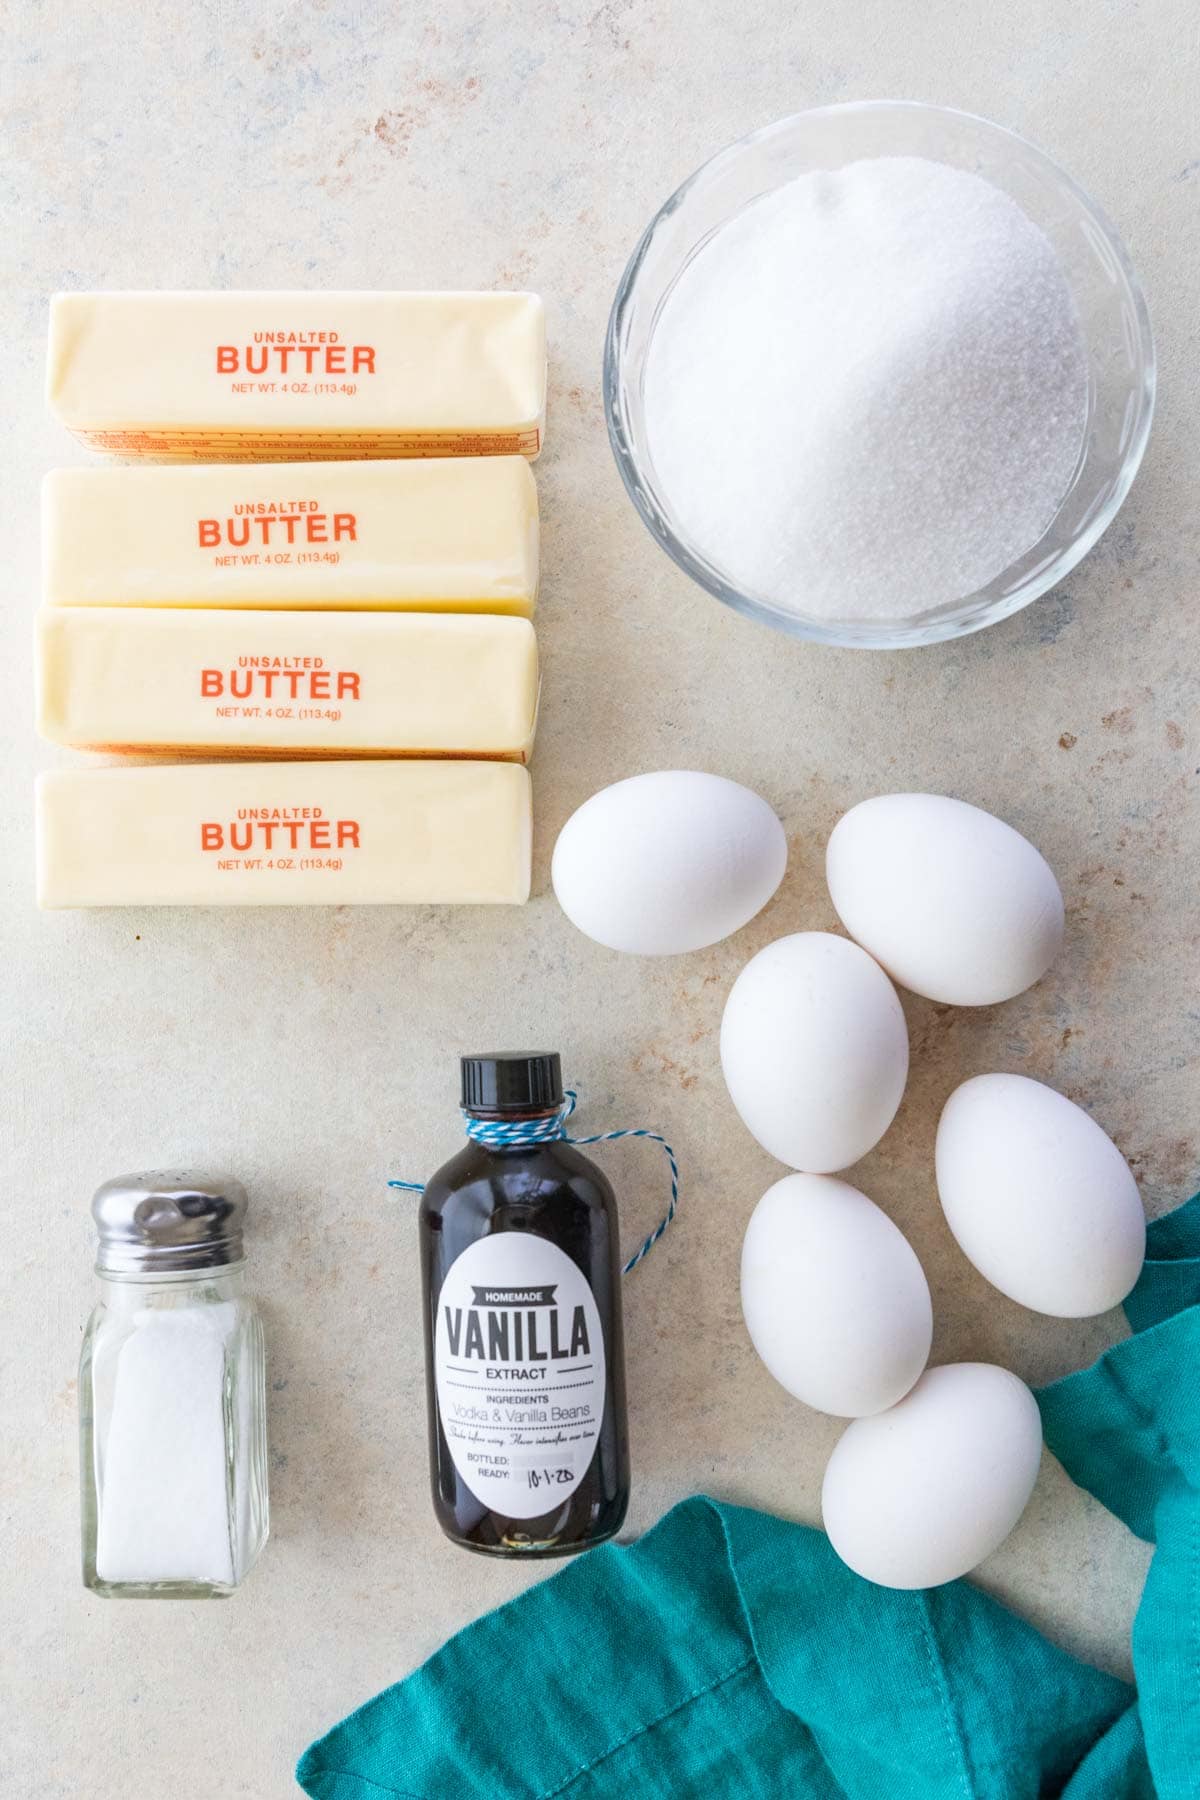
point(866, 395)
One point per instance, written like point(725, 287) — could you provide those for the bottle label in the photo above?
point(519, 1364)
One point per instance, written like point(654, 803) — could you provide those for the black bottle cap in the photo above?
point(518, 1081)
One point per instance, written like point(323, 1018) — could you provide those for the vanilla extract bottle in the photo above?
point(525, 1368)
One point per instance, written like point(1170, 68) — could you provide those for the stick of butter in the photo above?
point(275, 683)
point(284, 834)
point(245, 377)
point(440, 535)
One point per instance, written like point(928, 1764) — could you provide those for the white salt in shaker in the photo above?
point(172, 1394)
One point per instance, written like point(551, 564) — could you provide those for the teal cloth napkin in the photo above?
point(728, 1653)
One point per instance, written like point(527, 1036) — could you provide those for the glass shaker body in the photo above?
point(173, 1453)
point(172, 1408)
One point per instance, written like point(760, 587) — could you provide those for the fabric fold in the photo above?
point(1128, 1430)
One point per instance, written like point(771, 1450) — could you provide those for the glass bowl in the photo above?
point(1107, 294)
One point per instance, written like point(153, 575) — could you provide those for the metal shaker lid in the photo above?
point(166, 1221)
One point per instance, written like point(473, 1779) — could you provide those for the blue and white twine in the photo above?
point(503, 1134)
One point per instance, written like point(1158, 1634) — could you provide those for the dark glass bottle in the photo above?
point(524, 1359)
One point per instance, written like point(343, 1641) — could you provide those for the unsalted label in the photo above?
point(519, 1362)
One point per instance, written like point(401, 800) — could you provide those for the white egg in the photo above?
point(814, 1049)
point(668, 862)
point(924, 1492)
point(952, 902)
point(834, 1298)
point(1038, 1197)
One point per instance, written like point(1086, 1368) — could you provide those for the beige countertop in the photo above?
point(314, 1052)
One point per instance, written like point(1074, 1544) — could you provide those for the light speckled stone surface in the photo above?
point(314, 1052)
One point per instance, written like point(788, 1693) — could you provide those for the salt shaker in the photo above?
point(172, 1393)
